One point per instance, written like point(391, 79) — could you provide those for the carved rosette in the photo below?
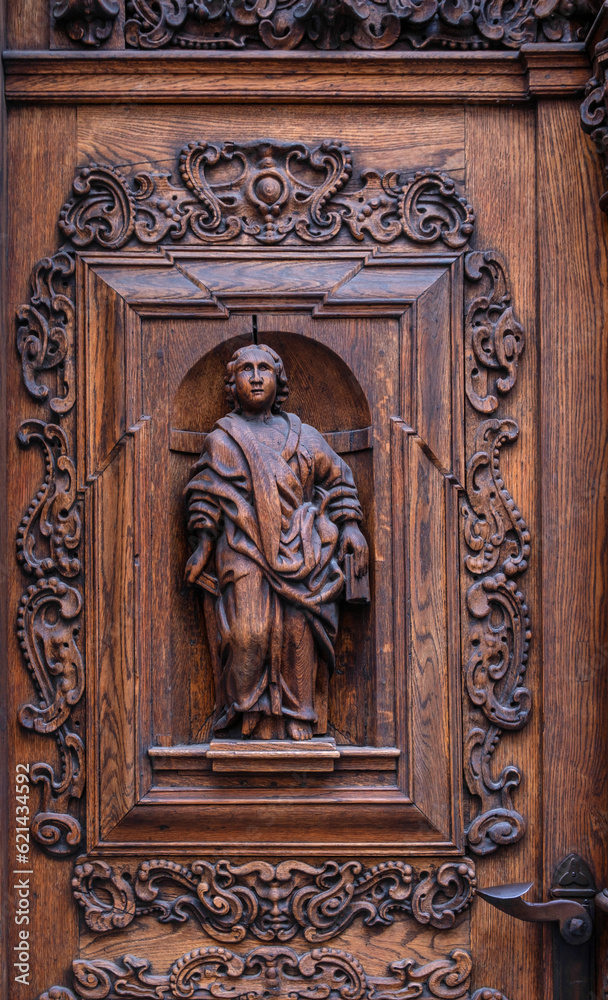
point(264, 972)
point(498, 546)
point(362, 24)
point(272, 902)
point(48, 540)
point(263, 192)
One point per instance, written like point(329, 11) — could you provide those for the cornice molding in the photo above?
point(535, 70)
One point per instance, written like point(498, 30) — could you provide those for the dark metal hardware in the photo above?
point(575, 920)
point(601, 900)
point(572, 908)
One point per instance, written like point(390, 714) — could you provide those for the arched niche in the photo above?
point(324, 392)
point(322, 389)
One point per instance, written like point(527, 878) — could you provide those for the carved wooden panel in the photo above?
point(399, 340)
point(317, 24)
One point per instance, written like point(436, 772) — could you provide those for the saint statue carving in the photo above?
point(276, 515)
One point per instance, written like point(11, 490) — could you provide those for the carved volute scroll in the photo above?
point(272, 972)
point(498, 546)
point(272, 902)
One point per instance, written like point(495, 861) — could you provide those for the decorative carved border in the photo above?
point(264, 972)
point(48, 626)
point(269, 200)
point(272, 902)
point(321, 24)
point(272, 200)
point(498, 544)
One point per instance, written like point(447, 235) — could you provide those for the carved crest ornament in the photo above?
point(326, 24)
point(272, 902)
point(278, 192)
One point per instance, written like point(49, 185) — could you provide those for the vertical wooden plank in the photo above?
point(5, 553)
point(429, 682)
point(28, 24)
point(500, 183)
point(40, 153)
point(116, 589)
point(573, 304)
point(434, 370)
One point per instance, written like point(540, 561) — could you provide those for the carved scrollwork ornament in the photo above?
point(48, 627)
point(497, 543)
point(279, 191)
point(360, 24)
point(205, 973)
point(594, 119)
point(272, 902)
point(87, 21)
point(494, 339)
point(45, 330)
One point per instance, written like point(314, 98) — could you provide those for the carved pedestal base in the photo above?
point(273, 755)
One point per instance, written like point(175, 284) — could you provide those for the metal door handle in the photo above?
point(575, 920)
point(601, 900)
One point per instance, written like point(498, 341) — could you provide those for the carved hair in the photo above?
point(282, 386)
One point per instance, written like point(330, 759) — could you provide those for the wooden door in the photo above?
point(392, 211)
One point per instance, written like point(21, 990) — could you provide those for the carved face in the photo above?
point(255, 381)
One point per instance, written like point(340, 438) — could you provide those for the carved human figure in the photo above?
point(276, 513)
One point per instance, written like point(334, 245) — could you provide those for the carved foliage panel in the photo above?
point(272, 902)
point(497, 548)
point(265, 972)
point(318, 24)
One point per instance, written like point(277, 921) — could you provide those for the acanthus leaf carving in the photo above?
point(48, 627)
point(207, 973)
point(265, 191)
point(272, 902)
point(87, 21)
point(359, 24)
point(497, 540)
point(45, 333)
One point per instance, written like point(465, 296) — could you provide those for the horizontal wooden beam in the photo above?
point(535, 70)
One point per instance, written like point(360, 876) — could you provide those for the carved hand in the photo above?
point(352, 540)
point(199, 558)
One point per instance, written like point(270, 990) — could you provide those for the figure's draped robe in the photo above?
point(275, 517)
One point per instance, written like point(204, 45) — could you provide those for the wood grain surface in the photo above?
point(155, 330)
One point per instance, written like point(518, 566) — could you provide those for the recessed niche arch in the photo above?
point(323, 391)
point(322, 388)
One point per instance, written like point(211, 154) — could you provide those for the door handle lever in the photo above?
point(601, 900)
point(575, 920)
